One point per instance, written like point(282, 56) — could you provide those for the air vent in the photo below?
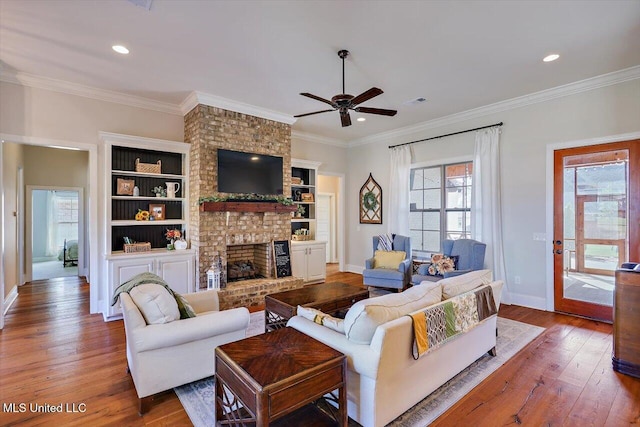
point(146, 4)
point(416, 101)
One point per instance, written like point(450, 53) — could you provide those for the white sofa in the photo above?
point(383, 379)
point(163, 356)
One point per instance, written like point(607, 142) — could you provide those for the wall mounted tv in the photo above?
point(249, 173)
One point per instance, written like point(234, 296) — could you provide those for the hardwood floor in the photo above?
point(52, 352)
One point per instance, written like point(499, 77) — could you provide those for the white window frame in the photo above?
point(443, 210)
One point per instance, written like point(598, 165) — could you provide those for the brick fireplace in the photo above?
point(213, 233)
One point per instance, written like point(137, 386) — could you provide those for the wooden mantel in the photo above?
point(246, 207)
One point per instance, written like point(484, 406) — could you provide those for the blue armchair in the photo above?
point(385, 277)
point(470, 255)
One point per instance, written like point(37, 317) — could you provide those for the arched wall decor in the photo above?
point(371, 202)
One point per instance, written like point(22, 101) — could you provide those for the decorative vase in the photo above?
point(170, 246)
point(180, 245)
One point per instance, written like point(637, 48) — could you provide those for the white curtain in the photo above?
point(52, 225)
point(398, 222)
point(486, 205)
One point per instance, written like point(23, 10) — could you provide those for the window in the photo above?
point(440, 205)
point(65, 204)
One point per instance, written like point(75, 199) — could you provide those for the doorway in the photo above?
point(54, 235)
point(326, 224)
point(596, 192)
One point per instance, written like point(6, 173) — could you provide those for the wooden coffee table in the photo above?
point(272, 379)
point(326, 297)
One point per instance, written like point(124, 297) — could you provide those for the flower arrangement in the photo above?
point(300, 211)
point(173, 234)
point(159, 191)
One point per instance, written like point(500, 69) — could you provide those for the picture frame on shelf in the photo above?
point(124, 187)
point(307, 197)
point(157, 212)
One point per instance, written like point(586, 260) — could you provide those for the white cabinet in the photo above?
point(177, 268)
point(308, 260)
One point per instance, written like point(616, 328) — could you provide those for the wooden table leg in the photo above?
point(342, 406)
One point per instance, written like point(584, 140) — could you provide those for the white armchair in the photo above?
point(167, 355)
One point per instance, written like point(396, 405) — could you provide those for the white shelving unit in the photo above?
point(308, 257)
point(177, 268)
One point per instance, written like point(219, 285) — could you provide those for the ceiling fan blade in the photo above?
point(380, 111)
point(365, 96)
point(315, 112)
point(317, 98)
point(345, 118)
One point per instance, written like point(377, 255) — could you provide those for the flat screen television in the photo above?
point(240, 172)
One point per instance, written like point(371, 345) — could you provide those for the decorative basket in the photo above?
point(148, 167)
point(299, 237)
point(130, 248)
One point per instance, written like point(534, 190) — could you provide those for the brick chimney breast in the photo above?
point(208, 128)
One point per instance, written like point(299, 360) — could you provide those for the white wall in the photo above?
point(527, 131)
point(46, 114)
point(12, 159)
point(40, 225)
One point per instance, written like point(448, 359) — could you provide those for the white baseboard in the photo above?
point(352, 268)
point(10, 299)
point(528, 301)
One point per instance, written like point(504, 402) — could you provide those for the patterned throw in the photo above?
point(438, 324)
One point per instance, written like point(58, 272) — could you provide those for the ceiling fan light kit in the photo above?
point(344, 102)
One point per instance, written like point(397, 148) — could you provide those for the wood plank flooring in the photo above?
point(52, 352)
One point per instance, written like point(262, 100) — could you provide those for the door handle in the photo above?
point(558, 251)
point(557, 242)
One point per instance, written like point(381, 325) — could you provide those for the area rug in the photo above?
point(197, 397)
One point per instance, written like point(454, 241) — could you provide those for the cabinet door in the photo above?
point(123, 270)
point(299, 261)
point(178, 272)
point(316, 262)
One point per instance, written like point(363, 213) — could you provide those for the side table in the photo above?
point(273, 379)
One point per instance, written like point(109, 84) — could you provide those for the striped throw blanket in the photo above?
point(438, 324)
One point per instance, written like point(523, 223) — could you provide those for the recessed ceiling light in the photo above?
point(255, 158)
point(550, 58)
point(120, 49)
point(361, 119)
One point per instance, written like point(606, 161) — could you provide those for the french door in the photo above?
point(596, 224)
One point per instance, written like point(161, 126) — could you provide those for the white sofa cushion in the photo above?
point(365, 316)
point(155, 303)
point(457, 285)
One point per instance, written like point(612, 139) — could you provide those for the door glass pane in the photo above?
point(594, 224)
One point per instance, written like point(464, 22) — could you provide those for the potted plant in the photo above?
point(159, 191)
point(300, 212)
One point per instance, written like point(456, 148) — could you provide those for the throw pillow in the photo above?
point(457, 285)
point(364, 317)
point(155, 303)
point(388, 259)
point(441, 264)
point(385, 242)
point(321, 318)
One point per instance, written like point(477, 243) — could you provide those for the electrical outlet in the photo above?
point(517, 280)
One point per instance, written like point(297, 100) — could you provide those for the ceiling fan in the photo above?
point(344, 102)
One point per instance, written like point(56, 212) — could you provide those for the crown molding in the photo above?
point(317, 139)
point(580, 86)
point(39, 82)
point(196, 98)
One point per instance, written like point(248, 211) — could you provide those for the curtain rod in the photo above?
point(449, 134)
